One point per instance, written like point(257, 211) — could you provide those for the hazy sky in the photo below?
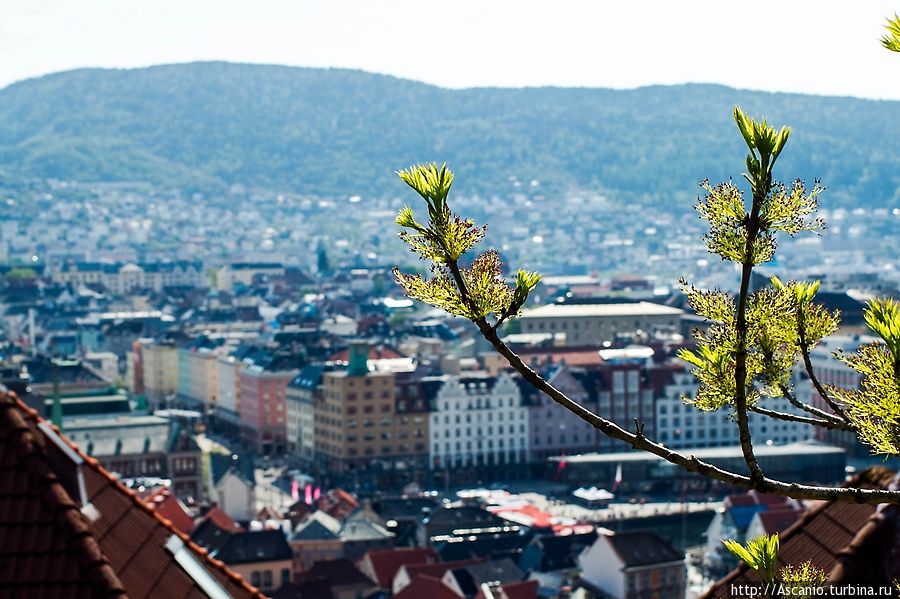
point(783, 45)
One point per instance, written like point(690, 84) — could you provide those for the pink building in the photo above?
point(263, 408)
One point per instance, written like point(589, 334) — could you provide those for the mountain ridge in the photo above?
point(331, 131)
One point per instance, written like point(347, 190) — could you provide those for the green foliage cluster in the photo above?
point(761, 554)
point(334, 133)
point(891, 39)
point(443, 240)
point(778, 322)
point(875, 407)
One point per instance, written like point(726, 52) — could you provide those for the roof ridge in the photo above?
point(95, 464)
point(65, 510)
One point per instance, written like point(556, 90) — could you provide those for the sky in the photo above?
point(822, 47)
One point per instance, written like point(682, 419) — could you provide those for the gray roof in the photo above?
point(601, 310)
point(707, 453)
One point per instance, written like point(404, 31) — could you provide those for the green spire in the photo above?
point(56, 416)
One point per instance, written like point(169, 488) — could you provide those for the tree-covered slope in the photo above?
point(328, 132)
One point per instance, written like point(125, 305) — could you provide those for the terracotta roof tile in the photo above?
point(48, 548)
point(840, 538)
point(386, 562)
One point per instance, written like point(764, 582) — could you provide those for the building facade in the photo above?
point(479, 423)
point(592, 324)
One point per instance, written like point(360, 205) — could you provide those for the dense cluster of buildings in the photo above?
point(239, 399)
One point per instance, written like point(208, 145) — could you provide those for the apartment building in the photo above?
point(477, 421)
point(593, 324)
point(358, 426)
point(124, 277)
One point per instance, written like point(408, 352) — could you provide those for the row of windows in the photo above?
point(510, 429)
point(479, 445)
point(385, 449)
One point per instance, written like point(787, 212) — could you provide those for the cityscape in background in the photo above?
point(253, 373)
point(212, 384)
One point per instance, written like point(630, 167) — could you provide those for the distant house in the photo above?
point(360, 535)
point(547, 553)
point(738, 511)
point(469, 579)
point(233, 485)
point(316, 539)
point(773, 521)
point(632, 565)
point(138, 445)
point(261, 556)
point(409, 573)
point(381, 565)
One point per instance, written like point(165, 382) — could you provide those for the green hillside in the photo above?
point(202, 126)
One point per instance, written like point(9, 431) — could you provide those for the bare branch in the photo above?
point(803, 419)
point(807, 362)
point(740, 357)
point(688, 463)
point(792, 399)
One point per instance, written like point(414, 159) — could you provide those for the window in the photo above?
point(254, 578)
point(285, 575)
point(267, 579)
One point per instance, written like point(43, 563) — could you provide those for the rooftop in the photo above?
point(601, 310)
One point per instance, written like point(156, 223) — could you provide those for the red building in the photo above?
point(263, 408)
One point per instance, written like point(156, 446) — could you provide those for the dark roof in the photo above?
point(403, 508)
point(851, 542)
point(254, 546)
point(446, 519)
point(643, 548)
point(494, 546)
point(310, 589)
point(501, 570)
point(559, 551)
point(309, 378)
point(209, 535)
point(50, 548)
point(338, 572)
point(242, 465)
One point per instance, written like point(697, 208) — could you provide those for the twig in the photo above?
point(831, 425)
point(688, 463)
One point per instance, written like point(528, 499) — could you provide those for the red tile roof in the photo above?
point(438, 569)
point(221, 519)
point(526, 589)
point(779, 519)
point(386, 562)
point(169, 507)
point(427, 586)
point(841, 538)
point(49, 548)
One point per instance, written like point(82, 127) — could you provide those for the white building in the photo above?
point(632, 565)
point(680, 425)
point(122, 278)
point(477, 421)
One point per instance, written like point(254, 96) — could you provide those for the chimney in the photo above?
point(358, 358)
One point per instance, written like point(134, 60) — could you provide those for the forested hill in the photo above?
point(339, 132)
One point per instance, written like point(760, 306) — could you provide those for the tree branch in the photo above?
point(807, 362)
point(688, 463)
point(831, 425)
point(808, 408)
point(740, 357)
